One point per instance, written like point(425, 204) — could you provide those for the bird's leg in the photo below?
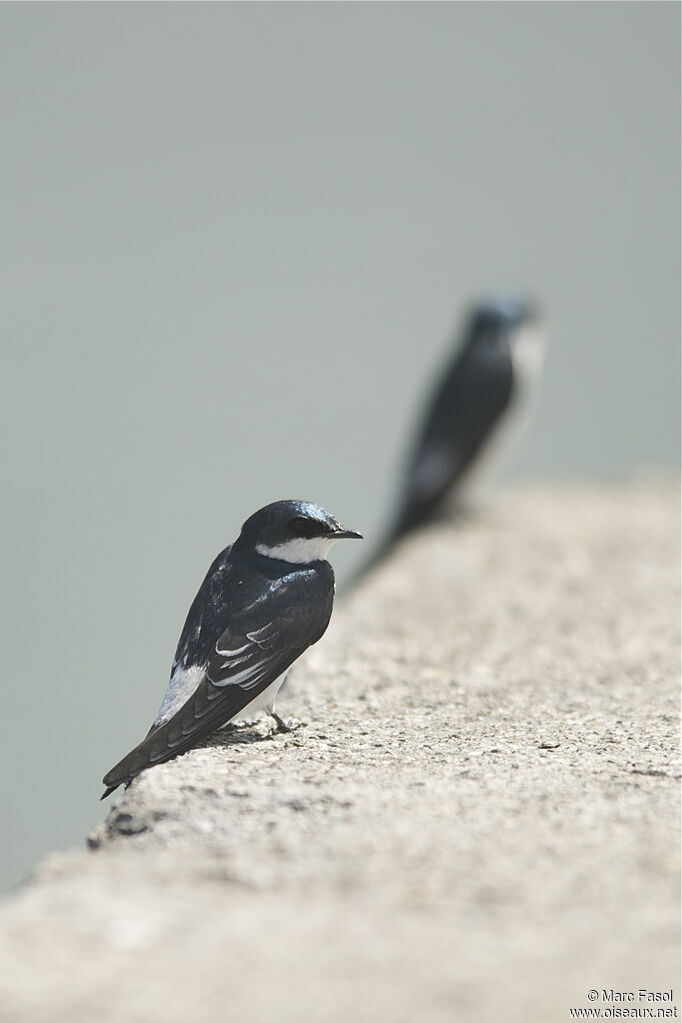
point(280, 725)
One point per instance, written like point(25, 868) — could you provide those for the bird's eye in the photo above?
point(300, 526)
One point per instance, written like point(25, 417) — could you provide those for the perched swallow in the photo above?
point(498, 352)
point(265, 600)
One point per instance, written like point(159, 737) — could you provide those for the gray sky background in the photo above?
point(236, 240)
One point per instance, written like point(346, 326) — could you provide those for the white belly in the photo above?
point(264, 701)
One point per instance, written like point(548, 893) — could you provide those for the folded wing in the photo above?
point(256, 647)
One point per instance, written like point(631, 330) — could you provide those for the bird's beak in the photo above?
point(347, 534)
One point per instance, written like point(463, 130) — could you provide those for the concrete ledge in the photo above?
point(478, 821)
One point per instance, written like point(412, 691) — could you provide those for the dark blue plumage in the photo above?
point(265, 600)
point(472, 396)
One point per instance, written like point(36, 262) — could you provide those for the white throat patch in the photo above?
point(300, 551)
point(527, 352)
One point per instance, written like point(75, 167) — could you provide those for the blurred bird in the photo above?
point(265, 600)
point(499, 352)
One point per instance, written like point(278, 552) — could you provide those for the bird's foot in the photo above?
point(281, 726)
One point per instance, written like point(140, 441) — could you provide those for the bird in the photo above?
point(265, 600)
point(499, 351)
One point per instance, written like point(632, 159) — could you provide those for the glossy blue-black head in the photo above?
point(499, 319)
point(294, 531)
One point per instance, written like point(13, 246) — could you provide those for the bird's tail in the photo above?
point(124, 771)
point(144, 755)
point(196, 719)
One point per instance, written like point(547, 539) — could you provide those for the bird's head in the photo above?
point(498, 318)
point(295, 531)
point(504, 326)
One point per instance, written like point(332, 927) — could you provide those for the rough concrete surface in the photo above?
point(477, 821)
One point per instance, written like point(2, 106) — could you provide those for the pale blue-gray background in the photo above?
point(236, 238)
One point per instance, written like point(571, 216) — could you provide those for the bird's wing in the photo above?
point(260, 643)
point(469, 403)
